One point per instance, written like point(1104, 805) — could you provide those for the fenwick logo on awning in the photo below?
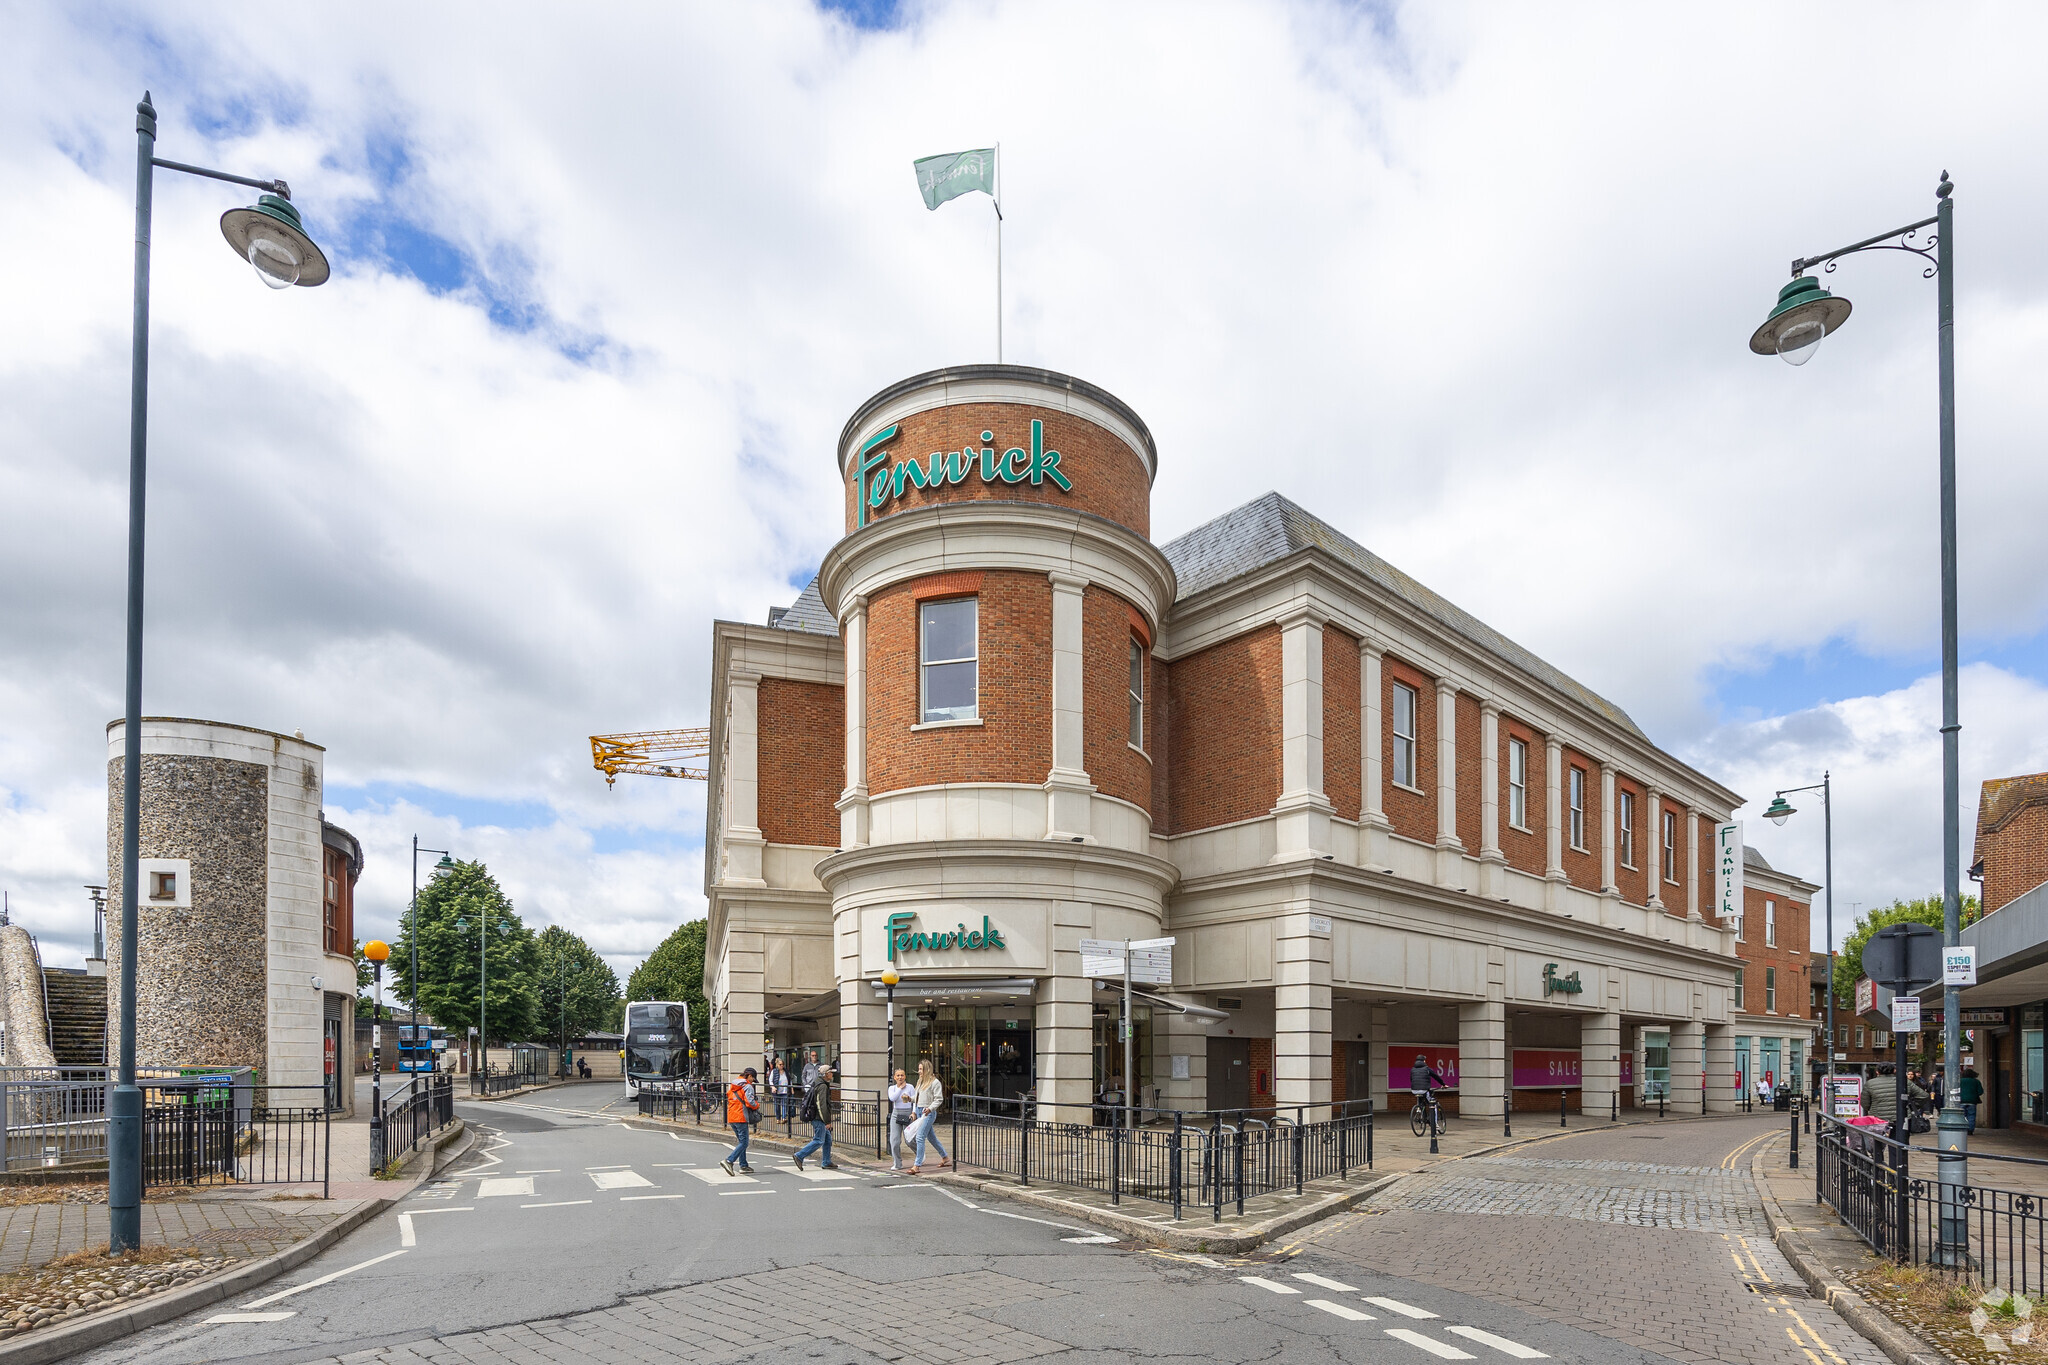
point(903, 939)
point(888, 481)
point(1553, 984)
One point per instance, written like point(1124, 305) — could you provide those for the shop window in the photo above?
point(1770, 924)
point(1406, 707)
point(1880, 1039)
point(949, 661)
point(1738, 988)
point(1578, 803)
point(1671, 847)
point(1859, 1037)
point(1518, 784)
point(1770, 990)
point(1628, 829)
point(1137, 693)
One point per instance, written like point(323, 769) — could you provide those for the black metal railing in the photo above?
point(1978, 1231)
point(528, 1066)
point(414, 1117)
point(1173, 1157)
point(195, 1133)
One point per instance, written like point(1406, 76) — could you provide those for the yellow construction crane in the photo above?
point(655, 753)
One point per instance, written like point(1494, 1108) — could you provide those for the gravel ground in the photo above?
point(77, 1285)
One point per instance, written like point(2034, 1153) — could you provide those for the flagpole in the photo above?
point(997, 198)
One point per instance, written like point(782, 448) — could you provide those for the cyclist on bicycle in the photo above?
point(1423, 1078)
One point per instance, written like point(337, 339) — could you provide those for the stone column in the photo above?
point(1553, 826)
point(1688, 1047)
point(1377, 1039)
point(1175, 1035)
point(853, 802)
point(1692, 865)
point(746, 960)
point(1067, 787)
point(1599, 1061)
point(1301, 1016)
point(864, 1038)
point(1450, 868)
point(1373, 823)
point(1492, 862)
point(1482, 1059)
point(1654, 872)
point(1720, 1064)
point(745, 848)
point(1065, 1023)
point(1302, 829)
point(1607, 819)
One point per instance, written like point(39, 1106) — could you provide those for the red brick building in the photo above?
point(2011, 856)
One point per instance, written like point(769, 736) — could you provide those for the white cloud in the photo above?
point(1474, 283)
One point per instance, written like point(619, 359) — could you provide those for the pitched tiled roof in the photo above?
point(1752, 858)
point(1271, 528)
point(806, 614)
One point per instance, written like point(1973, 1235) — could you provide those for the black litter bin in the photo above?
point(1782, 1099)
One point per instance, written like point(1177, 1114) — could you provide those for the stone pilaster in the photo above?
point(1553, 827)
point(1068, 788)
point(1301, 1015)
point(1692, 865)
point(1065, 1038)
point(746, 1001)
point(1450, 867)
point(1610, 892)
point(1720, 1065)
point(1688, 1057)
point(745, 848)
point(1482, 1059)
point(1492, 862)
point(853, 802)
point(1373, 826)
point(1378, 1037)
point(1599, 1061)
point(1179, 1035)
point(1302, 823)
point(1654, 871)
point(864, 1037)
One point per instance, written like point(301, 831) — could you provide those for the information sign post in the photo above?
point(1147, 959)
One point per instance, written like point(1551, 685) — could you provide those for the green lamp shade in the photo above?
point(271, 237)
point(1779, 811)
point(446, 864)
point(1804, 314)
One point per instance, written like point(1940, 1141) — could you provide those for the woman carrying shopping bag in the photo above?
point(930, 1096)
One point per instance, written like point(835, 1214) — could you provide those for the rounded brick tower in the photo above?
point(997, 595)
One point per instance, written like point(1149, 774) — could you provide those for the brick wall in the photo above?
point(1223, 716)
point(1412, 813)
point(1633, 881)
point(1014, 741)
point(1673, 892)
point(802, 761)
point(1789, 956)
point(1108, 625)
point(1525, 848)
point(1159, 741)
point(1470, 787)
point(1342, 721)
point(1108, 477)
point(1581, 867)
point(2015, 855)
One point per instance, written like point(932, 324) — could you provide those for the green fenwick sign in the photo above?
point(1553, 984)
point(903, 939)
point(876, 481)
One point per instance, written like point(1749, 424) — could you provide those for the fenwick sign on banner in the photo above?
point(903, 939)
point(888, 481)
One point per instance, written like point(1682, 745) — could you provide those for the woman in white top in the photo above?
point(902, 1102)
point(930, 1095)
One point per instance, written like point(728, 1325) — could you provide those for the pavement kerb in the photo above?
point(1895, 1339)
point(101, 1328)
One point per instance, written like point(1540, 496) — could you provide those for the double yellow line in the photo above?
point(1728, 1163)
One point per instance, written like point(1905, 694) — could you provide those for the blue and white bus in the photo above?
point(423, 1053)
point(657, 1044)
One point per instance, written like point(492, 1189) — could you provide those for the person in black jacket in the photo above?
point(817, 1111)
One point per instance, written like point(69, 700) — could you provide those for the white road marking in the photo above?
point(557, 1204)
point(629, 1198)
point(550, 1170)
point(725, 1193)
point(324, 1279)
point(1502, 1344)
point(1098, 1240)
point(405, 1234)
point(1273, 1286)
point(254, 1317)
point(1209, 1261)
point(493, 1187)
point(620, 1180)
point(673, 1165)
point(820, 1176)
point(1406, 1310)
point(1347, 1313)
point(1318, 1280)
point(616, 1166)
point(824, 1189)
point(716, 1176)
point(1435, 1348)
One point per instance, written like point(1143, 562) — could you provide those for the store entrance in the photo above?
point(984, 1050)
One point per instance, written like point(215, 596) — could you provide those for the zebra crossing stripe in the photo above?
point(1435, 1348)
point(1501, 1344)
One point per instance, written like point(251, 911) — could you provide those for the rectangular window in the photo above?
point(1738, 988)
point(1736, 921)
point(1628, 829)
point(1405, 711)
point(163, 886)
point(1859, 1036)
point(1770, 924)
point(1671, 847)
point(1770, 990)
point(948, 660)
point(1137, 693)
point(1518, 784)
point(1880, 1039)
point(1578, 820)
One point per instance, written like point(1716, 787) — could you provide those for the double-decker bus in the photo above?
point(657, 1044)
point(424, 1052)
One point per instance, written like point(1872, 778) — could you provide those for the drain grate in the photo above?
point(1797, 1291)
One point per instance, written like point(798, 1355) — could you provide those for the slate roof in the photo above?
point(1752, 858)
point(1269, 529)
point(806, 614)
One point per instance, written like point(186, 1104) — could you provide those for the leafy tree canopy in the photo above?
point(463, 922)
point(675, 971)
point(1849, 957)
point(577, 990)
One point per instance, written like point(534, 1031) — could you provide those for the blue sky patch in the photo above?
point(1790, 683)
point(472, 811)
point(867, 14)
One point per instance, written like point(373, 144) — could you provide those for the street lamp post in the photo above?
point(99, 927)
point(1779, 812)
point(412, 932)
point(377, 952)
point(270, 235)
point(1804, 314)
point(890, 976)
point(483, 990)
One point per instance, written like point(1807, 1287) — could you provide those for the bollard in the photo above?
point(1507, 1116)
point(1795, 1141)
point(1564, 1097)
point(1614, 1110)
point(1660, 1102)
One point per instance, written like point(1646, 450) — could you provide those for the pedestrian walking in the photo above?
point(1971, 1092)
point(925, 1117)
point(1763, 1091)
point(778, 1086)
point(1881, 1096)
point(810, 1076)
point(902, 1109)
point(817, 1112)
point(742, 1112)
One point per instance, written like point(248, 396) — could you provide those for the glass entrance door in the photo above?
point(1656, 1063)
point(975, 1050)
point(1743, 1084)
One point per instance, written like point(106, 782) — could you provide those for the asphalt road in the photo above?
point(573, 1237)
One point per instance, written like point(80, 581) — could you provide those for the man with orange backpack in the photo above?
point(742, 1111)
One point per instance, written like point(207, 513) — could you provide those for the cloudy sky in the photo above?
point(1474, 283)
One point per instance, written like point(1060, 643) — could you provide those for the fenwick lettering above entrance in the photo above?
point(876, 481)
point(1553, 984)
point(903, 939)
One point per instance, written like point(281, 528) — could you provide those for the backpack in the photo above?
point(736, 1105)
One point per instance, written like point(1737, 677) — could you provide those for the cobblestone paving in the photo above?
point(1672, 1256)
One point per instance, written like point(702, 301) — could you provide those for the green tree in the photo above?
point(1849, 957)
point(675, 971)
point(462, 915)
point(573, 984)
point(363, 979)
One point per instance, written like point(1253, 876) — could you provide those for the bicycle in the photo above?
point(1425, 1113)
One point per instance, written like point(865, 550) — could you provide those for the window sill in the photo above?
point(1136, 750)
point(1403, 786)
point(1581, 848)
point(946, 725)
point(1520, 829)
point(1672, 881)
